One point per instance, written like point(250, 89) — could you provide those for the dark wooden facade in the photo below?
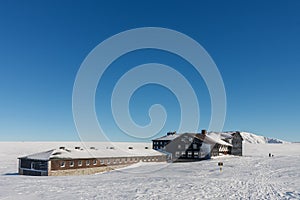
point(33, 167)
point(186, 147)
point(237, 144)
point(196, 146)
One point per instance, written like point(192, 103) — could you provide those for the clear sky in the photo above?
point(255, 44)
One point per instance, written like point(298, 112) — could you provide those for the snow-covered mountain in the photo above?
point(258, 139)
point(252, 138)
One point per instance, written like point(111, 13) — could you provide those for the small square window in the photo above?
point(79, 163)
point(177, 154)
point(87, 162)
point(102, 162)
point(71, 163)
point(94, 162)
point(62, 164)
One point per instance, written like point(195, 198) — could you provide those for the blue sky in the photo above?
point(255, 45)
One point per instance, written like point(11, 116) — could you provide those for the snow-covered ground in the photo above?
point(253, 176)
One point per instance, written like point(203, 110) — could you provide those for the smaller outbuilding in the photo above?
point(89, 160)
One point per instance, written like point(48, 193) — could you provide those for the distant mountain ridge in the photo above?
point(258, 139)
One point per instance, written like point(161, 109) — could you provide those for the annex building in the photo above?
point(75, 160)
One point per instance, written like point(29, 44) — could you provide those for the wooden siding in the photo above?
point(186, 147)
point(237, 144)
point(68, 164)
point(33, 167)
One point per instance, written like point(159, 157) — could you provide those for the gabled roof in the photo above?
point(213, 140)
point(97, 150)
point(206, 138)
point(217, 139)
point(45, 155)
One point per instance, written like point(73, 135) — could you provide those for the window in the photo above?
point(183, 153)
point(71, 163)
point(95, 162)
point(187, 146)
point(179, 146)
point(79, 163)
point(102, 162)
point(87, 162)
point(177, 154)
point(62, 164)
point(190, 154)
point(196, 154)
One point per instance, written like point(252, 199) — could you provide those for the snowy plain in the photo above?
point(253, 176)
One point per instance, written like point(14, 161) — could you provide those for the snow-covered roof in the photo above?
point(97, 150)
point(40, 156)
point(217, 138)
point(211, 138)
point(221, 135)
point(169, 137)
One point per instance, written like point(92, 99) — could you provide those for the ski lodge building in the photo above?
point(105, 156)
point(198, 146)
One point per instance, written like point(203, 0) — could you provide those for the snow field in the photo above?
point(253, 176)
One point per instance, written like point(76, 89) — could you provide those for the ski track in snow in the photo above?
point(254, 176)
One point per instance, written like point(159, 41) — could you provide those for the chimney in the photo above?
point(171, 133)
point(203, 132)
